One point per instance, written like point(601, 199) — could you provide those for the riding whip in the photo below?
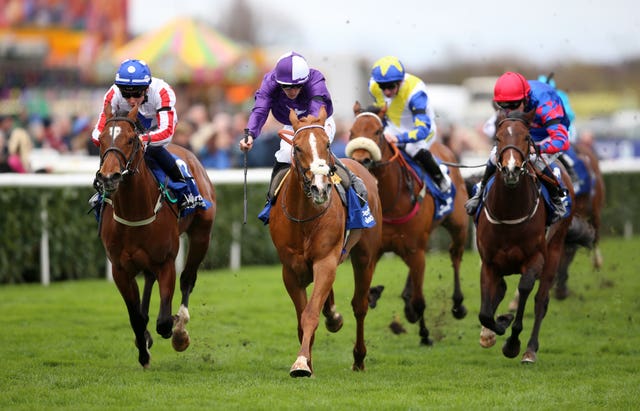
point(246, 139)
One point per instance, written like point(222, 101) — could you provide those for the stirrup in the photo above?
point(471, 205)
point(445, 183)
point(94, 200)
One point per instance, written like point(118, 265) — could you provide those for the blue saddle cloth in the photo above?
point(443, 201)
point(543, 190)
point(358, 212)
point(586, 181)
point(179, 189)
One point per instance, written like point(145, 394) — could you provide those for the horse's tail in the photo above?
point(581, 233)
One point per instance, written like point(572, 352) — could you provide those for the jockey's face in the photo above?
point(390, 89)
point(134, 97)
point(291, 91)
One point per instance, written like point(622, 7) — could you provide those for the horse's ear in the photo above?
point(357, 108)
point(382, 112)
point(293, 118)
point(530, 115)
point(133, 113)
point(322, 115)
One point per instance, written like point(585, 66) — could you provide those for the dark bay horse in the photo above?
point(408, 211)
point(307, 226)
point(588, 206)
point(512, 238)
point(140, 231)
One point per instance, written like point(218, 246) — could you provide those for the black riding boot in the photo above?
point(471, 206)
point(165, 160)
point(279, 170)
point(555, 193)
point(426, 160)
point(355, 181)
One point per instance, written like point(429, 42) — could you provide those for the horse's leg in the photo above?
point(414, 306)
point(542, 299)
point(511, 347)
point(561, 288)
point(149, 279)
point(199, 237)
point(128, 288)
point(333, 319)
point(492, 290)
point(166, 284)
point(302, 367)
point(363, 268)
point(456, 249)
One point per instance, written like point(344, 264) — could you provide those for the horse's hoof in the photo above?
point(511, 348)
point(562, 293)
point(180, 341)
point(397, 328)
point(374, 295)
point(487, 338)
point(357, 367)
point(459, 312)
point(529, 357)
point(300, 368)
point(334, 324)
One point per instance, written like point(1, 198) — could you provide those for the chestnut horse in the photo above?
point(307, 226)
point(512, 237)
point(408, 211)
point(140, 231)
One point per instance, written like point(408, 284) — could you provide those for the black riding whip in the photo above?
point(246, 139)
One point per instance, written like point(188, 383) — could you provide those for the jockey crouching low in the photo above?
point(549, 132)
point(157, 115)
point(292, 85)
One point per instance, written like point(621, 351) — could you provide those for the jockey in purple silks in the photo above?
point(293, 85)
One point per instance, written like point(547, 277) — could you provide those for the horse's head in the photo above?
point(366, 138)
point(312, 157)
point(513, 144)
point(120, 149)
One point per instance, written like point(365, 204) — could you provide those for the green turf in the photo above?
point(69, 347)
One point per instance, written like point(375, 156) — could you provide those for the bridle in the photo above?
point(306, 182)
point(126, 163)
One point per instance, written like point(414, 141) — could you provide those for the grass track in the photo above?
point(69, 346)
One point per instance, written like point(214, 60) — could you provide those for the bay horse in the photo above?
point(408, 211)
point(307, 227)
point(140, 231)
point(588, 206)
point(512, 237)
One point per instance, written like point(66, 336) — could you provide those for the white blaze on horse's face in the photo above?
point(319, 166)
point(511, 164)
point(114, 131)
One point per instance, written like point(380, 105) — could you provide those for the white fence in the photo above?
point(231, 176)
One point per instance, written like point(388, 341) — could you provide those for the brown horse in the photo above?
point(512, 237)
point(588, 207)
point(408, 211)
point(307, 226)
point(140, 231)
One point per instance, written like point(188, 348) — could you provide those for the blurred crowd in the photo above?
point(212, 135)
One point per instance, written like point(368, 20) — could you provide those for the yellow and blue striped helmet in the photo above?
point(387, 69)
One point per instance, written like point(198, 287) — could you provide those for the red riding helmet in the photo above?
point(511, 87)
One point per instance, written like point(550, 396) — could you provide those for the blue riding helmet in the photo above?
point(387, 69)
point(133, 73)
point(291, 69)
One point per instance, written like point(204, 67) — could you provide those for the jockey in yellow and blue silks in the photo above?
point(549, 131)
point(410, 116)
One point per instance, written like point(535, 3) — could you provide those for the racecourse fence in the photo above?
point(46, 234)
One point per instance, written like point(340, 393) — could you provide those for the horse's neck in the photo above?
point(137, 194)
point(512, 202)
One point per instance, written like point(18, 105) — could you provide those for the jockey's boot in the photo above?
point(277, 174)
point(354, 181)
point(426, 160)
point(568, 162)
point(165, 160)
point(471, 206)
point(556, 193)
point(94, 200)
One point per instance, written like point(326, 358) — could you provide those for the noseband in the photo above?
point(306, 182)
point(525, 156)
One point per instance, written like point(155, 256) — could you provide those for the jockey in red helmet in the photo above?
point(549, 131)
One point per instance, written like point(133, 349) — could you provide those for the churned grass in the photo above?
point(69, 346)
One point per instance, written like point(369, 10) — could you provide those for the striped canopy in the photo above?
point(185, 50)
